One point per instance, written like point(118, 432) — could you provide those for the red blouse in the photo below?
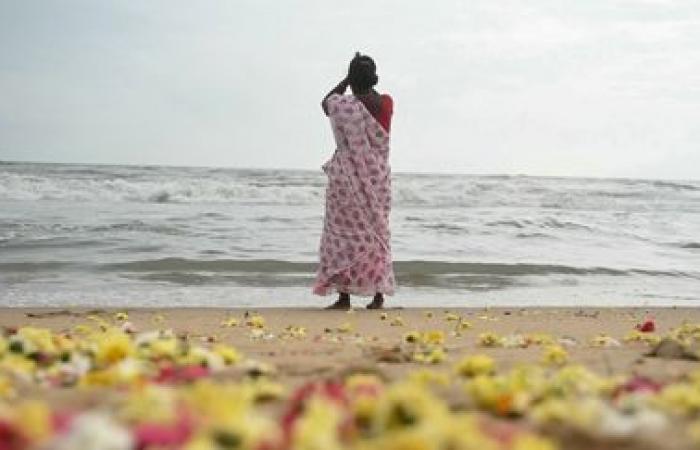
point(386, 110)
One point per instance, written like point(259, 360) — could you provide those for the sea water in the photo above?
point(96, 235)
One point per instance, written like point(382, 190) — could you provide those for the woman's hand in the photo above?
point(339, 89)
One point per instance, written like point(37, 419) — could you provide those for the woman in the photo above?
point(355, 252)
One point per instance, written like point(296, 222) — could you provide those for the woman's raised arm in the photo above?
point(339, 89)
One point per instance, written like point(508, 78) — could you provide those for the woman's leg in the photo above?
point(377, 301)
point(343, 302)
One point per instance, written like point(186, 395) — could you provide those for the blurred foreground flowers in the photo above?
point(104, 386)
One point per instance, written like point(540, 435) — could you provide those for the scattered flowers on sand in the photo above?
point(102, 385)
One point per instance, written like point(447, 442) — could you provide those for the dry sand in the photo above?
point(325, 350)
point(337, 342)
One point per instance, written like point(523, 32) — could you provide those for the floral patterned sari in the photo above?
point(355, 250)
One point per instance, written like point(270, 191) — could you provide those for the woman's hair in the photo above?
point(362, 74)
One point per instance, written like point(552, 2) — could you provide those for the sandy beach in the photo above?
point(437, 347)
point(325, 350)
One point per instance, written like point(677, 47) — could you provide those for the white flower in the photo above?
point(94, 431)
point(620, 425)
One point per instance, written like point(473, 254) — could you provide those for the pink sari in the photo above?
point(355, 251)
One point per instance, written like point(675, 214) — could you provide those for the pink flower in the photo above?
point(647, 326)
point(173, 374)
point(637, 384)
point(163, 434)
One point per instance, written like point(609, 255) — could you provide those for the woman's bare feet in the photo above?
point(377, 302)
point(342, 303)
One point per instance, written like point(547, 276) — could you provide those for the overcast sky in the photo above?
point(541, 87)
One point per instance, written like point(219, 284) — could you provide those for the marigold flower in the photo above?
point(433, 356)
point(345, 328)
point(471, 366)
point(412, 337)
point(555, 355)
point(603, 340)
point(489, 339)
point(112, 346)
point(532, 442)
point(429, 377)
point(256, 321)
point(434, 337)
point(229, 354)
point(230, 322)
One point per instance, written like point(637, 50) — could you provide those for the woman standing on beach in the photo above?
point(355, 251)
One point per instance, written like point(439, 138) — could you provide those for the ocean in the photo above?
point(127, 236)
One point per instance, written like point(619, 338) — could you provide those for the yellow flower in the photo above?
point(35, 420)
point(680, 398)
point(638, 336)
point(361, 380)
point(112, 346)
point(603, 340)
point(532, 442)
point(6, 388)
point(450, 317)
point(317, 428)
point(412, 337)
point(202, 441)
point(164, 347)
point(428, 377)
point(434, 356)
point(581, 413)
point(230, 419)
point(151, 403)
point(197, 355)
point(64, 343)
point(229, 354)
point(121, 316)
point(541, 339)
point(364, 413)
point(266, 390)
point(489, 339)
point(463, 325)
point(231, 322)
point(471, 366)
point(256, 321)
point(295, 331)
point(406, 405)
point(693, 430)
point(434, 337)
point(571, 380)
point(555, 355)
point(35, 340)
point(345, 328)
point(17, 365)
point(82, 329)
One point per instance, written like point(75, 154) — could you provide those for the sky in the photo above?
point(603, 88)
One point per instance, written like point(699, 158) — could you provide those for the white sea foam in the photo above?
point(94, 228)
point(200, 185)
